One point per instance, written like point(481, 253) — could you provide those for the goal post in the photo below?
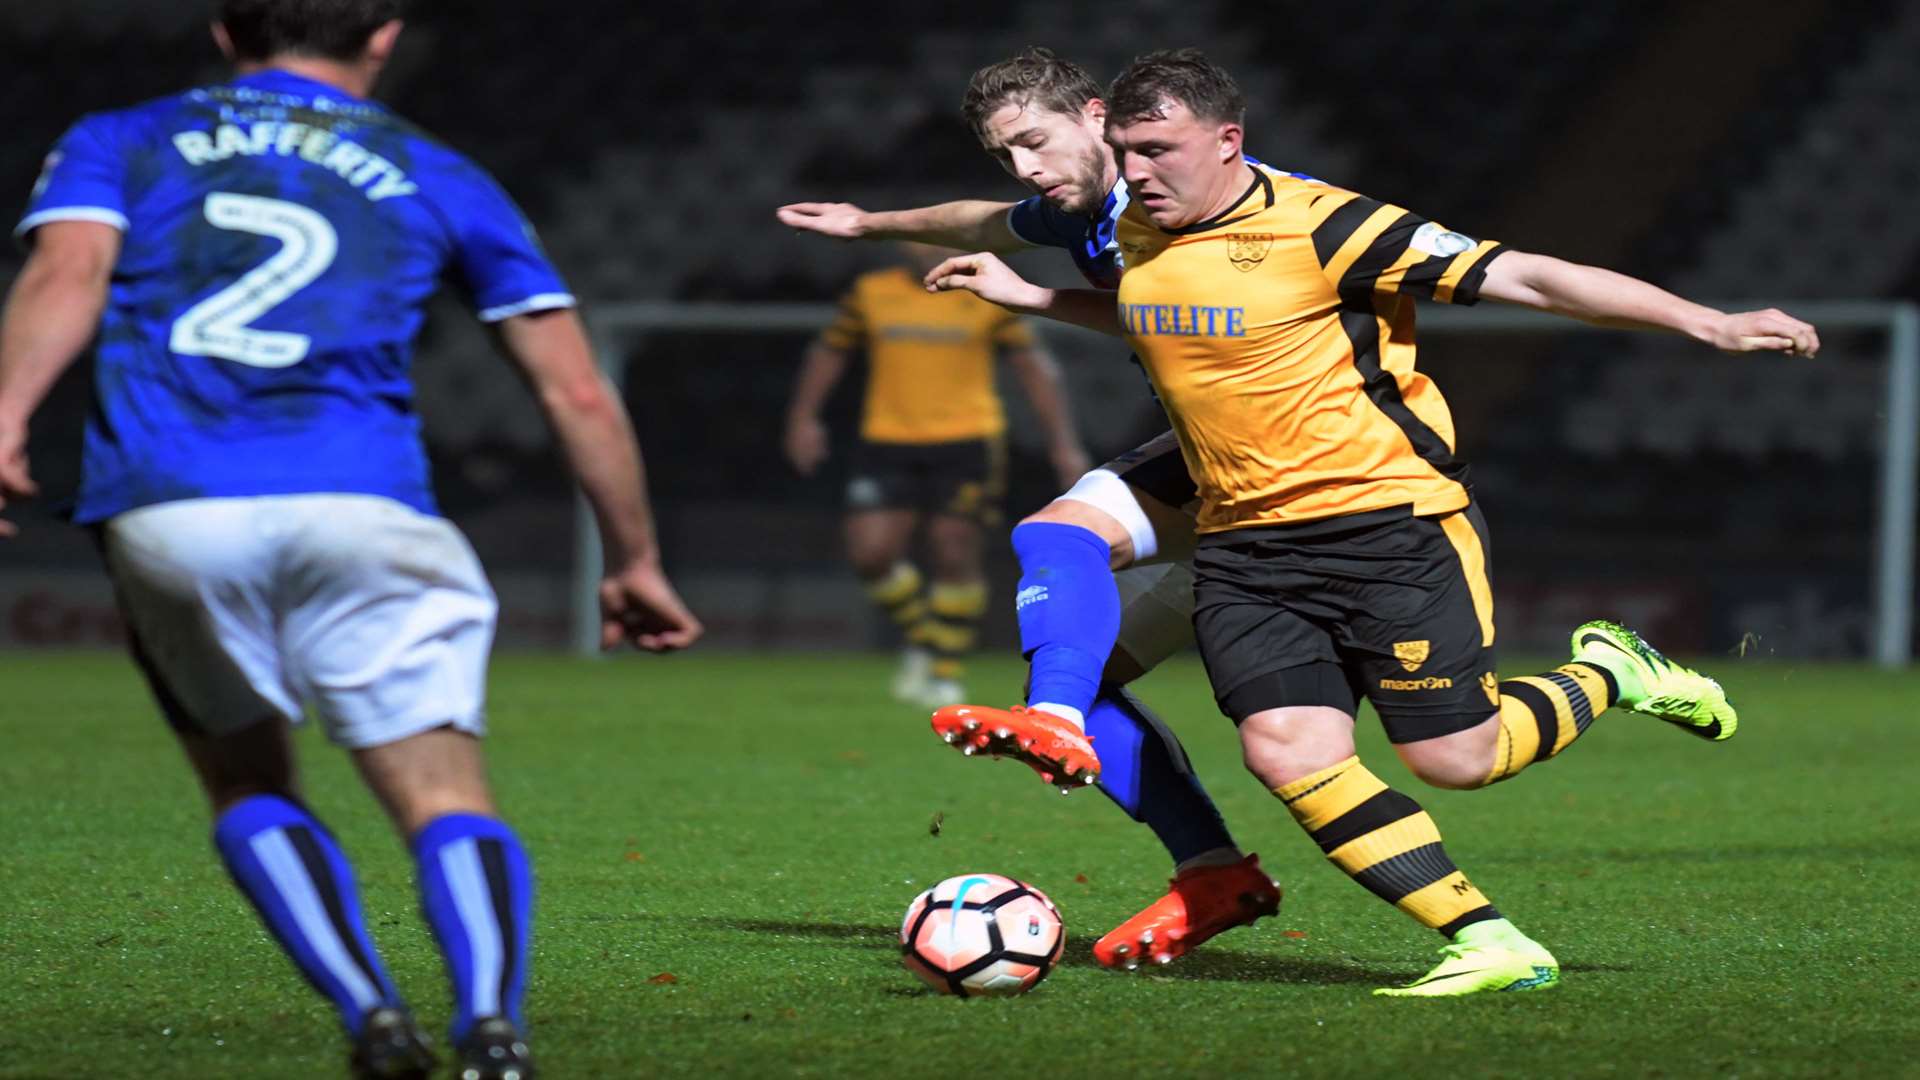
point(1891, 589)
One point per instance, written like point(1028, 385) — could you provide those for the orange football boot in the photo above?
point(1050, 746)
point(1204, 901)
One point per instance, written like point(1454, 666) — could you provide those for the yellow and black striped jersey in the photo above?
point(929, 356)
point(1279, 335)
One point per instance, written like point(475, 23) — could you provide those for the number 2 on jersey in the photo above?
point(217, 326)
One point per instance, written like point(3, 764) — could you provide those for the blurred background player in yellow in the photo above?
point(932, 449)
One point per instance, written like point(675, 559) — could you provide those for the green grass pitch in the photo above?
point(725, 845)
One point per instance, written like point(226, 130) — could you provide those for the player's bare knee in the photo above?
point(412, 809)
point(1091, 518)
point(1450, 774)
point(869, 565)
point(876, 540)
point(954, 549)
point(227, 796)
point(422, 808)
point(1277, 764)
point(1457, 762)
point(955, 567)
point(229, 786)
point(426, 776)
point(872, 559)
point(255, 760)
point(1282, 745)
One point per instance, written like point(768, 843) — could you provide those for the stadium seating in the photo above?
point(1687, 407)
point(651, 142)
point(1828, 209)
point(1433, 118)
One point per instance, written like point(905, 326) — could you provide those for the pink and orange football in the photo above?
point(981, 934)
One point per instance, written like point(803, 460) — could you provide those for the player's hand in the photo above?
point(15, 481)
point(1771, 330)
point(1070, 463)
point(638, 604)
point(843, 221)
point(806, 444)
point(985, 276)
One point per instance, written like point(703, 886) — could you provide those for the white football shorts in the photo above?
point(373, 614)
point(1149, 492)
point(1156, 611)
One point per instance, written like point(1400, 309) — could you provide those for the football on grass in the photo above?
point(981, 934)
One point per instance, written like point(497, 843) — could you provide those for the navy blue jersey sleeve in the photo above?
point(83, 180)
point(497, 254)
point(1043, 224)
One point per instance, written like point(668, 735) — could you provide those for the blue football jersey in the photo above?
point(1089, 240)
point(280, 241)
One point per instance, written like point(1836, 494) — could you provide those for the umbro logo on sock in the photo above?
point(1032, 594)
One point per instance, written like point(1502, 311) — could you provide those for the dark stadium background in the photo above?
point(1724, 148)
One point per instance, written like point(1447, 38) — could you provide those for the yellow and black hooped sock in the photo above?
point(1386, 842)
point(952, 624)
point(898, 594)
point(1540, 715)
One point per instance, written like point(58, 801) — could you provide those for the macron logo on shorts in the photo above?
point(1032, 594)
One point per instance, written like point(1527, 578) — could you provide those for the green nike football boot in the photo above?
point(1502, 960)
point(1652, 684)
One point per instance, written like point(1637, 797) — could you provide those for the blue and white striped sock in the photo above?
point(300, 882)
point(477, 892)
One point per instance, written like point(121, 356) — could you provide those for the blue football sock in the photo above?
point(1145, 770)
point(1069, 611)
point(477, 892)
point(300, 882)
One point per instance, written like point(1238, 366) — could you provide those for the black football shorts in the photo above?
point(965, 478)
point(1384, 606)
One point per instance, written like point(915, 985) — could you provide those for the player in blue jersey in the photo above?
point(1106, 589)
point(256, 256)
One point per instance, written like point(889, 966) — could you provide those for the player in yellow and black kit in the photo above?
point(932, 449)
point(1341, 555)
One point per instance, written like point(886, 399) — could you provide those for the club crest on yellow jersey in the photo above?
point(1248, 250)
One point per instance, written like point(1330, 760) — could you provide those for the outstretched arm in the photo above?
point(806, 436)
point(50, 316)
point(970, 224)
point(985, 276)
point(637, 602)
point(1605, 298)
